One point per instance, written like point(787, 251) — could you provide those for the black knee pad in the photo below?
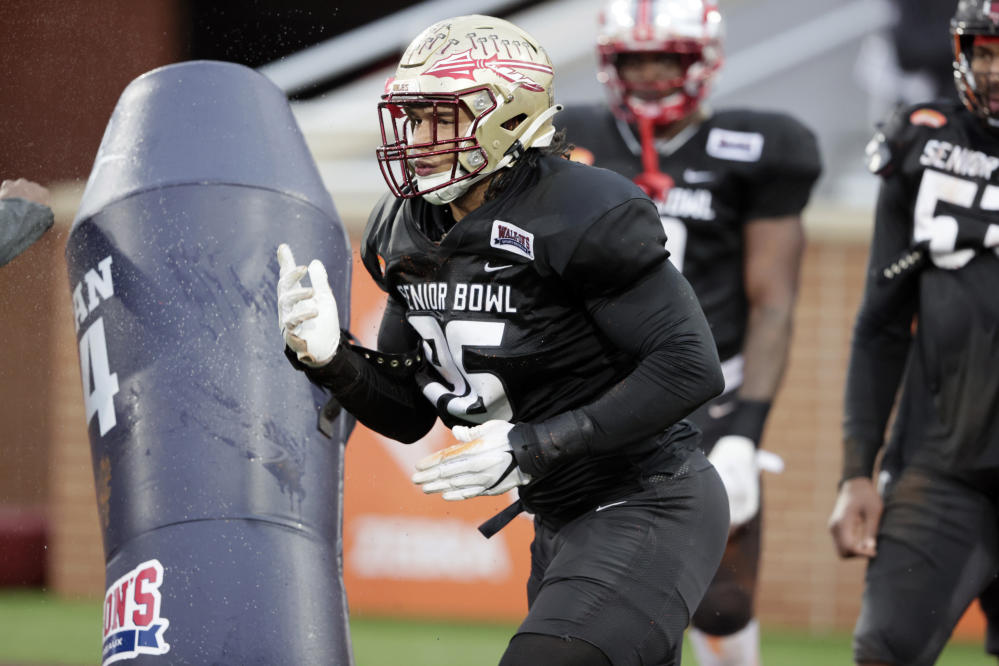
point(725, 609)
point(728, 604)
point(533, 649)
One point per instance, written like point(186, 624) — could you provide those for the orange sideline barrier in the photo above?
point(972, 625)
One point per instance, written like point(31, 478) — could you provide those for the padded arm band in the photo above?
point(377, 388)
point(537, 447)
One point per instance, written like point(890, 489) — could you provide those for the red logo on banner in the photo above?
point(463, 66)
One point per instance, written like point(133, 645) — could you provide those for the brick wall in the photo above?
point(63, 66)
point(76, 557)
point(26, 292)
point(804, 583)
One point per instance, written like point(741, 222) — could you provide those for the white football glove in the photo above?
point(481, 464)
point(734, 456)
point(307, 316)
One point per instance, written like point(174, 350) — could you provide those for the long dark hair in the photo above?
point(528, 162)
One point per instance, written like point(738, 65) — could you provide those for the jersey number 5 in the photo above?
point(941, 231)
point(471, 396)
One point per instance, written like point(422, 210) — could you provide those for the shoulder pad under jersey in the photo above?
point(887, 145)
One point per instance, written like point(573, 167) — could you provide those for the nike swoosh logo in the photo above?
point(721, 410)
point(692, 176)
point(490, 269)
point(607, 506)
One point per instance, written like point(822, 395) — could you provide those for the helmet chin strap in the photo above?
point(653, 182)
point(455, 190)
point(445, 194)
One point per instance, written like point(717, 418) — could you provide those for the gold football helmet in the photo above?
point(483, 91)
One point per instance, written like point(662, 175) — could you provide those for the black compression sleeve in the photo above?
point(881, 337)
point(383, 398)
point(659, 322)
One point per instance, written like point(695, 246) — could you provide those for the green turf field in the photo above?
point(36, 628)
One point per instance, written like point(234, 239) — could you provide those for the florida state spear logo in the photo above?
point(463, 66)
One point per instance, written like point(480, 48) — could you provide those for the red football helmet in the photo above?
point(689, 30)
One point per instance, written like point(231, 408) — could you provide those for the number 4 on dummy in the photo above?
point(99, 384)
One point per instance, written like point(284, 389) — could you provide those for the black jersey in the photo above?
point(507, 304)
point(932, 279)
point(734, 167)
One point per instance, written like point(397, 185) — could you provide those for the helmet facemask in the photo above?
point(451, 132)
point(979, 88)
point(665, 99)
point(687, 32)
point(976, 25)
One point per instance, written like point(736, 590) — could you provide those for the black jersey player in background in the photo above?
point(729, 187)
point(532, 307)
point(929, 326)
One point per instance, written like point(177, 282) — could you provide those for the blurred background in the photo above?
point(838, 65)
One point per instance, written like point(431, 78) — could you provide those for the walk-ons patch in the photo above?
point(506, 236)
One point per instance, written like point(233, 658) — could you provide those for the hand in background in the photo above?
point(23, 188)
point(855, 518)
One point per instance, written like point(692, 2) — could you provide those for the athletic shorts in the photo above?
point(627, 575)
point(938, 549)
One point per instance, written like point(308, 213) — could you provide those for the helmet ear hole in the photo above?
point(514, 122)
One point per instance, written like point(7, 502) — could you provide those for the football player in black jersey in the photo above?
point(928, 328)
point(533, 309)
point(729, 187)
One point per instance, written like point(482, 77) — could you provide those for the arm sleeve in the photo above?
point(881, 337)
point(22, 222)
point(659, 322)
point(381, 394)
